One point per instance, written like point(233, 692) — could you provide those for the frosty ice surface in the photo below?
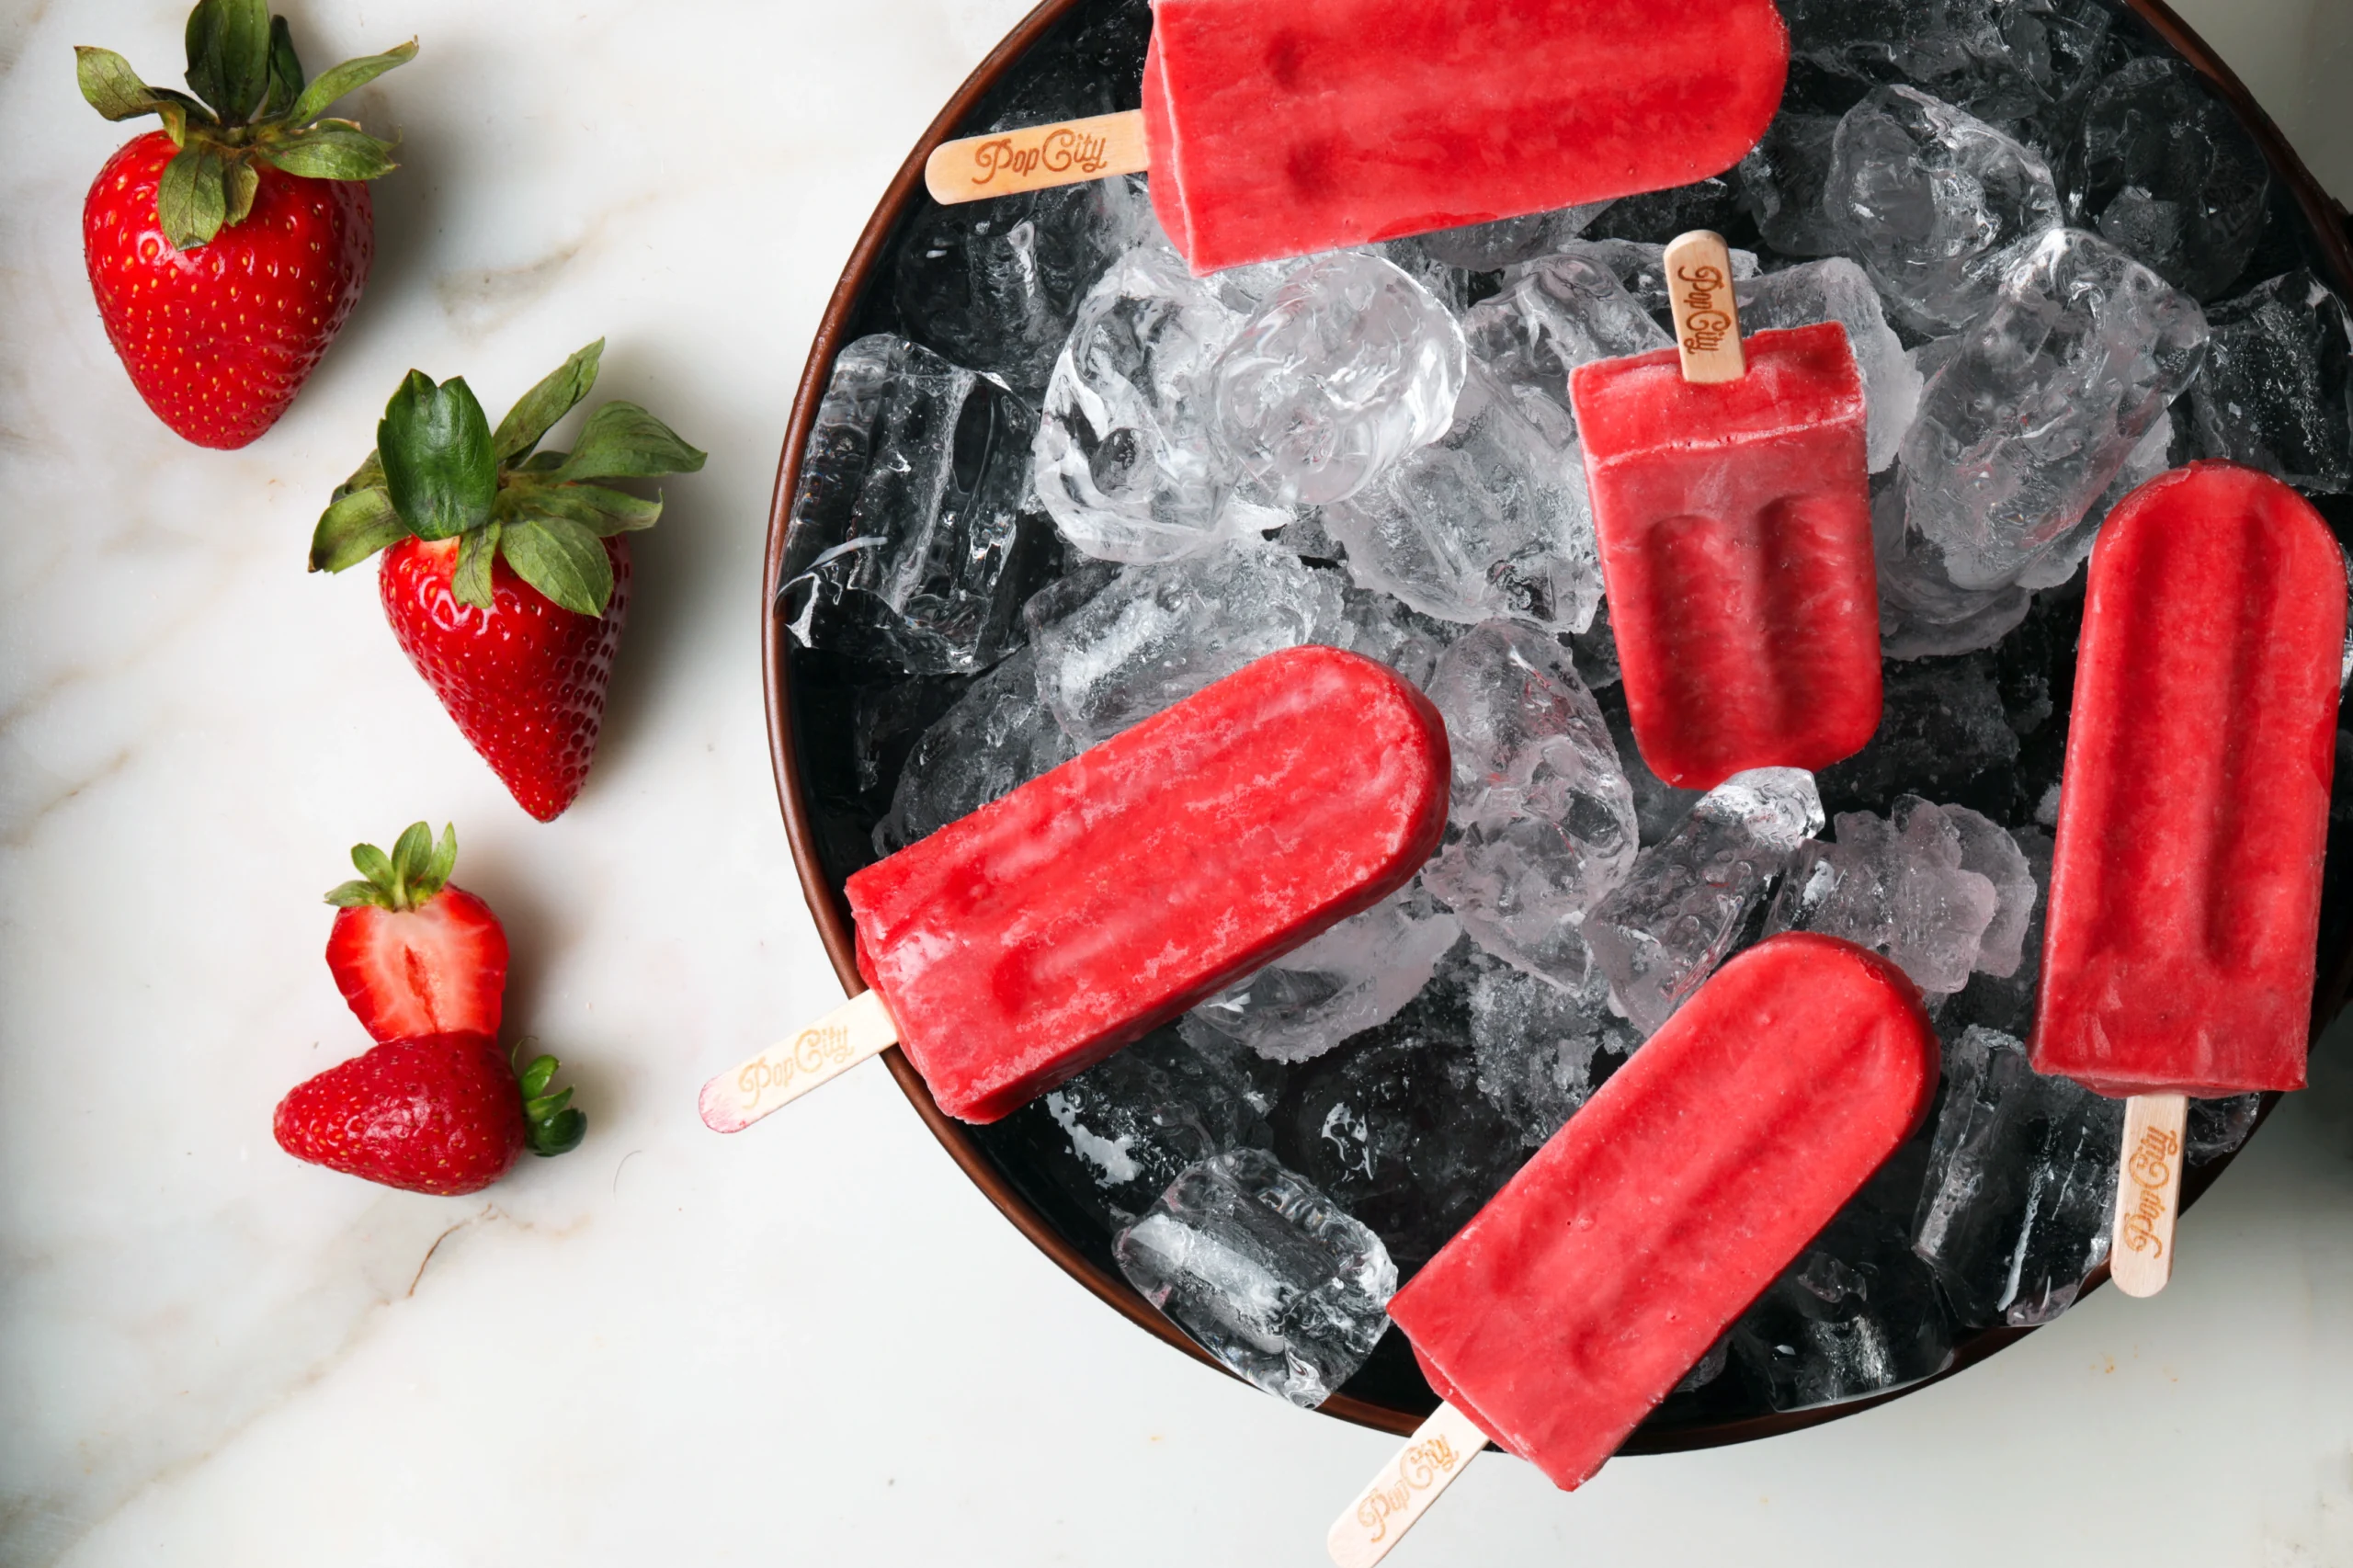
point(910, 537)
point(1346, 367)
point(1678, 914)
point(1542, 820)
point(1355, 975)
point(1265, 1272)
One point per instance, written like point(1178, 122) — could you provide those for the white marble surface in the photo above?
point(814, 1344)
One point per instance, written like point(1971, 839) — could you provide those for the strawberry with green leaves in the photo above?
point(227, 249)
point(506, 569)
point(412, 953)
point(444, 1114)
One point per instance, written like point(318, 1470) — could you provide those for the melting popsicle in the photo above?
point(1278, 129)
point(1731, 497)
point(1575, 1299)
point(1024, 943)
point(2193, 818)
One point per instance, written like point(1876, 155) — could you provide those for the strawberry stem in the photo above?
point(554, 1127)
point(413, 873)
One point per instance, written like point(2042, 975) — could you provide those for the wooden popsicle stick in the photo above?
point(2148, 1192)
point(1036, 157)
point(1440, 1449)
point(1707, 321)
point(859, 1027)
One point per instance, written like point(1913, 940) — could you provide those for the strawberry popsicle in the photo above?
point(1734, 515)
point(1278, 129)
point(1575, 1300)
point(1022, 944)
point(2179, 950)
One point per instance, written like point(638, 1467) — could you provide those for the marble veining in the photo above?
point(815, 1343)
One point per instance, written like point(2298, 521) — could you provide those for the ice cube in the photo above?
point(2218, 1127)
point(1703, 204)
point(996, 738)
point(1783, 181)
point(2005, 1003)
point(1688, 901)
point(1659, 807)
point(1837, 289)
point(1491, 519)
point(1345, 368)
point(1395, 1126)
point(1381, 628)
point(1542, 822)
point(1153, 635)
point(2165, 170)
point(1264, 1272)
point(1942, 730)
point(2034, 410)
point(1113, 1138)
point(1552, 315)
point(913, 536)
point(1856, 1314)
point(995, 284)
point(1357, 974)
point(1535, 1043)
point(1122, 458)
point(1898, 886)
point(1489, 247)
point(1933, 202)
point(2021, 1184)
point(2001, 59)
point(1922, 612)
point(2277, 391)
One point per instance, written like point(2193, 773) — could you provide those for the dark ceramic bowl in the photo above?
point(810, 724)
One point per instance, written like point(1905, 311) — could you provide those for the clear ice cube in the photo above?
point(1783, 182)
point(1489, 520)
point(1153, 635)
point(1837, 289)
point(2030, 413)
point(1942, 732)
point(1552, 315)
point(2021, 1186)
point(1264, 1272)
point(1357, 974)
point(1122, 459)
point(996, 738)
point(913, 535)
point(994, 284)
point(1542, 822)
point(1856, 1314)
point(1898, 886)
point(1688, 901)
point(1490, 248)
point(2277, 391)
point(2001, 59)
point(1345, 368)
point(2218, 1127)
point(2166, 171)
point(1535, 1043)
point(1933, 201)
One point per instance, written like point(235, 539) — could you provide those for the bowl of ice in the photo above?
point(1041, 482)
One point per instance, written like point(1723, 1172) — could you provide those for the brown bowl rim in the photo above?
point(2327, 219)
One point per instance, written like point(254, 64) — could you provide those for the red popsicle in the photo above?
point(1278, 129)
point(1024, 943)
point(1575, 1299)
point(1734, 523)
point(2180, 948)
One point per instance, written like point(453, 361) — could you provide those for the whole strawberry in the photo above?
point(412, 954)
point(442, 1114)
point(505, 570)
point(226, 249)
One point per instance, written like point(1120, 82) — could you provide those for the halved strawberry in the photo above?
point(444, 1114)
point(412, 955)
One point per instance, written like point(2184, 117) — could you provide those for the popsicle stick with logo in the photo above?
point(1585, 1290)
point(1707, 319)
point(1274, 131)
point(2148, 1192)
point(1024, 943)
